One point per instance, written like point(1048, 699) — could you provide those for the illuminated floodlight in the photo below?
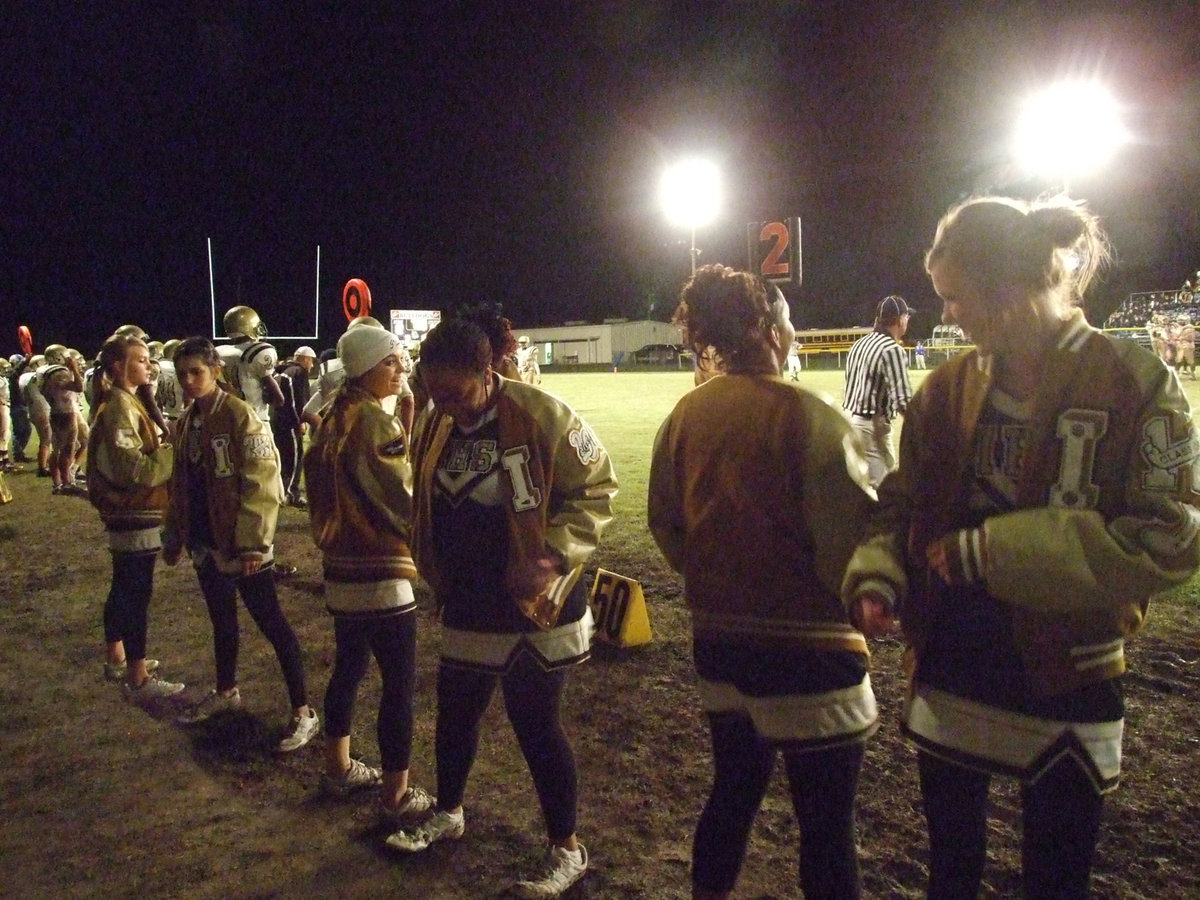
point(1071, 129)
point(690, 192)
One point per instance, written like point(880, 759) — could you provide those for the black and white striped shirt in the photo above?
point(877, 377)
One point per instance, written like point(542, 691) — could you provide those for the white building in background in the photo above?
point(610, 342)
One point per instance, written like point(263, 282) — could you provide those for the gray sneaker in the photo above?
point(151, 689)
point(209, 706)
point(562, 869)
point(415, 803)
point(302, 730)
point(358, 777)
point(440, 826)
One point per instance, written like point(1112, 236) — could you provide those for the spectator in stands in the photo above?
point(1185, 344)
point(1040, 502)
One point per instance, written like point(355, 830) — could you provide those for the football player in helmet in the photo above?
point(242, 322)
point(248, 364)
point(62, 385)
point(56, 355)
point(6, 464)
point(133, 331)
point(527, 361)
point(169, 392)
point(30, 385)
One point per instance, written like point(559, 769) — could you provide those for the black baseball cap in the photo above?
point(893, 308)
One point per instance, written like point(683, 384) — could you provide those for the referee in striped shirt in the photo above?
point(877, 385)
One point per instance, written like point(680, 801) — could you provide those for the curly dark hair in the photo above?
point(491, 320)
point(458, 344)
point(724, 313)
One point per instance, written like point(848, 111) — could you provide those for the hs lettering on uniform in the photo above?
point(481, 456)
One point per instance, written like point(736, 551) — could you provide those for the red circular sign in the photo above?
point(356, 299)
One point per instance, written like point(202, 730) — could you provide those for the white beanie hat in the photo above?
point(305, 351)
point(361, 349)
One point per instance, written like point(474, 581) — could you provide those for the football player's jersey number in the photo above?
point(611, 605)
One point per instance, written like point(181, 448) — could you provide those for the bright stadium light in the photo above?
point(691, 196)
point(1071, 129)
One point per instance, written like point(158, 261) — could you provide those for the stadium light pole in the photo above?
point(1069, 130)
point(690, 192)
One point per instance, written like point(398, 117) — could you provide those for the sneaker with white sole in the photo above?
point(302, 730)
point(415, 803)
point(356, 778)
point(212, 703)
point(440, 826)
point(117, 671)
point(562, 869)
point(151, 689)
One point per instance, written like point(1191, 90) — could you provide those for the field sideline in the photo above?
point(104, 798)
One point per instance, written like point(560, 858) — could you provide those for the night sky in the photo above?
point(451, 152)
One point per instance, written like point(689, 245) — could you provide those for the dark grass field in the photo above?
point(102, 799)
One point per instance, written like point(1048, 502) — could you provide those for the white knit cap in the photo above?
point(306, 351)
point(360, 349)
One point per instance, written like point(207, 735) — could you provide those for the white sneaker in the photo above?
point(117, 671)
point(151, 689)
point(562, 869)
point(303, 730)
point(356, 778)
point(440, 826)
point(209, 706)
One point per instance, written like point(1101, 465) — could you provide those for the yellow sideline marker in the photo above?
point(619, 609)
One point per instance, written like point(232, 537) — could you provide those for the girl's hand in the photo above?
point(872, 614)
point(539, 574)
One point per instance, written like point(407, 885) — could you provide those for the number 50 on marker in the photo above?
point(774, 249)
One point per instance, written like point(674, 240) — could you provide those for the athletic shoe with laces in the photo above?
point(303, 729)
point(211, 704)
point(440, 826)
point(415, 803)
point(117, 671)
point(151, 689)
point(356, 778)
point(562, 869)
